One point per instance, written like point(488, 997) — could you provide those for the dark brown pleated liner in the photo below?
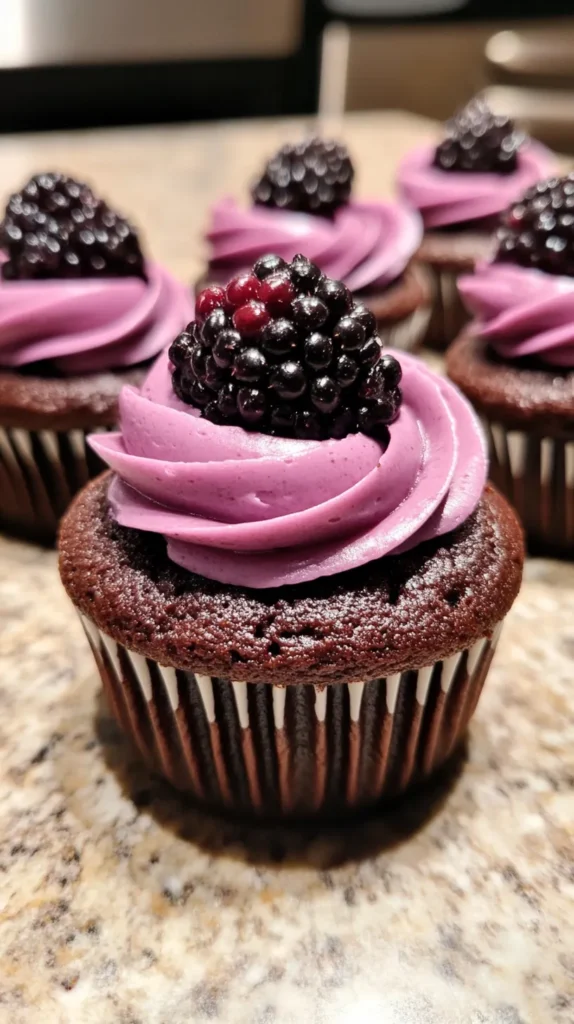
point(448, 316)
point(536, 474)
point(299, 750)
point(408, 334)
point(40, 472)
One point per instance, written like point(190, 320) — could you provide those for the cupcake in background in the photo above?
point(293, 582)
point(82, 313)
point(516, 363)
point(303, 203)
point(460, 188)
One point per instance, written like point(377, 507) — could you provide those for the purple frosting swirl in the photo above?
point(459, 197)
point(522, 311)
point(261, 511)
point(364, 244)
point(88, 325)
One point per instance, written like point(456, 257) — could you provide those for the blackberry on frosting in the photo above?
point(314, 176)
point(284, 350)
point(538, 229)
point(480, 141)
point(56, 227)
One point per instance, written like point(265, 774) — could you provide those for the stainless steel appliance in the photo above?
point(81, 62)
point(48, 32)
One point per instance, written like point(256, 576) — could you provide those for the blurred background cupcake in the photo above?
point(516, 363)
point(460, 187)
point(303, 202)
point(293, 589)
point(82, 313)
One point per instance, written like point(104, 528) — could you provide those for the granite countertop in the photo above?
point(120, 904)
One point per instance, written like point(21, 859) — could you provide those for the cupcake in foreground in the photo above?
point(303, 202)
point(81, 314)
point(293, 580)
point(516, 363)
point(460, 188)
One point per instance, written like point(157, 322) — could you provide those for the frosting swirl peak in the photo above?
point(523, 312)
point(85, 325)
point(364, 244)
point(262, 511)
point(447, 198)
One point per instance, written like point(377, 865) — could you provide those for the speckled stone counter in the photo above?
point(120, 904)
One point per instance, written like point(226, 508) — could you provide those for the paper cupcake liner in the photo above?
point(40, 472)
point(408, 334)
point(299, 749)
point(536, 474)
point(448, 316)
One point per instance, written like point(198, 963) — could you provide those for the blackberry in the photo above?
point(180, 350)
point(287, 351)
point(57, 228)
point(267, 265)
point(538, 229)
point(314, 176)
point(337, 297)
point(478, 140)
point(226, 347)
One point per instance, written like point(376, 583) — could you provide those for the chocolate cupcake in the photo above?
point(460, 188)
point(81, 314)
point(516, 364)
point(291, 620)
point(303, 202)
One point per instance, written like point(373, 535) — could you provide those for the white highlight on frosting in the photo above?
point(240, 692)
point(169, 677)
point(279, 696)
point(205, 687)
point(423, 683)
point(140, 667)
point(321, 702)
point(355, 699)
point(393, 683)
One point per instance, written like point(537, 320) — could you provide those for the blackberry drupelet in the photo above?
point(480, 141)
point(57, 228)
point(284, 350)
point(538, 230)
point(314, 176)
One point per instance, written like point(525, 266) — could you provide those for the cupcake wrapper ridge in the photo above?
point(406, 335)
point(40, 472)
point(536, 474)
point(449, 315)
point(276, 750)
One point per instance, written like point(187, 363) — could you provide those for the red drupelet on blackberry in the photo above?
point(295, 357)
point(480, 141)
point(57, 228)
point(314, 176)
point(538, 229)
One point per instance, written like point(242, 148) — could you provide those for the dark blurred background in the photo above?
point(79, 63)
